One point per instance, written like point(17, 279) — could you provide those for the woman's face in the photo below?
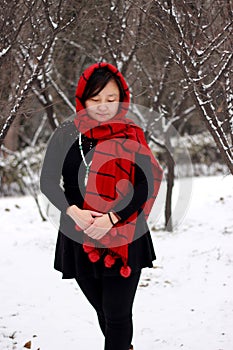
point(104, 106)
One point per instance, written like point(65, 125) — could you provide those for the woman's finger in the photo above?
point(96, 235)
point(89, 229)
point(96, 213)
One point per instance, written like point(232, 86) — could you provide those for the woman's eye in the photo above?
point(111, 100)
point(94, 100)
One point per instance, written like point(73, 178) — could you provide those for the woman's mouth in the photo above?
point(102, 114)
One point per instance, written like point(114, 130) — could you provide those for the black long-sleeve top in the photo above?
point(63, 161)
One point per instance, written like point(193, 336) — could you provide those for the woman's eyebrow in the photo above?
point(109, 95)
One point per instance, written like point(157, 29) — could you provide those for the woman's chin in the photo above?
point(101, 117)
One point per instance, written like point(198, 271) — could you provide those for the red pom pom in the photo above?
point(88, 247)
point(94, 256)
point(109, 260)
point(125, 271)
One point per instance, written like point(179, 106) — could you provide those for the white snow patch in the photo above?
point(4, 51)
point(184, 302)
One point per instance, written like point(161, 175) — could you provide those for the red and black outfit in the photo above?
point(105, 269)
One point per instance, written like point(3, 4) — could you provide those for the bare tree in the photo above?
point(198, 36)
point(176, 56)
point(33, 43)
point(13, 17)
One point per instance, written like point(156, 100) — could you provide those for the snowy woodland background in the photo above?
point(177, 57)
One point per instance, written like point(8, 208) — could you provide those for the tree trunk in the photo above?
point(12, 138)
point(170, 183)
point(206, 113)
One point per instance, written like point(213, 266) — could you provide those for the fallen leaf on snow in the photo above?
point(28, 345)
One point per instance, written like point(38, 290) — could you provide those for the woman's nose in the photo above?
point(102, 107)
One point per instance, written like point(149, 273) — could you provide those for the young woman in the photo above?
point(110, 181)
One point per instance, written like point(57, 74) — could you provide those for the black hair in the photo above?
point(98, 80)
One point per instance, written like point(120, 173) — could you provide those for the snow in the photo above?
point(55, 25)
point(221, 70)
point(199, 52)
point(4, 51)
point(184, 302)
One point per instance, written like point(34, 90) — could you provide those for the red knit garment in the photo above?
point(111, 174)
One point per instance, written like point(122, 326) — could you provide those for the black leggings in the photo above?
point(112, 298)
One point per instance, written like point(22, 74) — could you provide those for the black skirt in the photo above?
point(73, 262)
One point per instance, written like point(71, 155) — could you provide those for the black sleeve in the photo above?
point(51, 172)
point(142, 190)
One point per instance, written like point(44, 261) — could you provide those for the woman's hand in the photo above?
point(82, 217)
point(100, 226)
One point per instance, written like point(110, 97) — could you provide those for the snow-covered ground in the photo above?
point(184, 302)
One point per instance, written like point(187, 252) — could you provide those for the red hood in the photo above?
point(87, 74)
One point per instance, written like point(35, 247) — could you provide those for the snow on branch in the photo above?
point(162, 79)
point(23, 93)
point(215, 127)
point(81, 48)
point(229, 97)
point(61, 93)
point(11, 30)
point(39, 130)
point(50, 21)
point(213, 50)
point(213, 46)
point(226, 62)
point(32, 54)
point(5, 51)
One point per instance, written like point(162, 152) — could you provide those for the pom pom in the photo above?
point(125, 271)
point(109, 260)
point(94, 256)
point(88, 247)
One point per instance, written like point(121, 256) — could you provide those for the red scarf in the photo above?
point(112, 175)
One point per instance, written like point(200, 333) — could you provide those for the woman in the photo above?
point(110, 181)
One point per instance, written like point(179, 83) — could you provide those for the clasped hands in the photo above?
point(93, 223)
